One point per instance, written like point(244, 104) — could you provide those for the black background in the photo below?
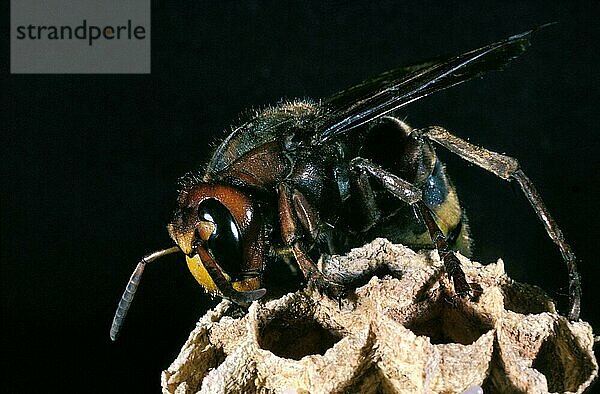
point(90, 161)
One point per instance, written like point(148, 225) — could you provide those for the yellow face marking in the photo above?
point(197, 269)
point(184, 241)
point(201, 274)
point(206, 229)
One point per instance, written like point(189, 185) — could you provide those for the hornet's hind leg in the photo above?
point(508, 168)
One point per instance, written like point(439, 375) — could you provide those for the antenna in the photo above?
point(131, 288)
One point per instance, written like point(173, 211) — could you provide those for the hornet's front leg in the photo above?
point(294, 212)
point(411, 195)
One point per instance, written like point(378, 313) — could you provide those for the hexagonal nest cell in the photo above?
point(404, 332)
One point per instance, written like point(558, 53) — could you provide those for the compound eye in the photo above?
point(225, 243)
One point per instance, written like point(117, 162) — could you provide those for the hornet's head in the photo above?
point(221, 232)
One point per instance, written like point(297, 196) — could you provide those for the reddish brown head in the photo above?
point(221, 231)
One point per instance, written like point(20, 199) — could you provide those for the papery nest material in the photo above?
point(403, 332)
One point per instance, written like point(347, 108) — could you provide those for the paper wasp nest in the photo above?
point(401, 332)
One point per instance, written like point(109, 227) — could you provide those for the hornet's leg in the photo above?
point(294, 212)
point(362, 207)
point(411, 195)
point(508, 168)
